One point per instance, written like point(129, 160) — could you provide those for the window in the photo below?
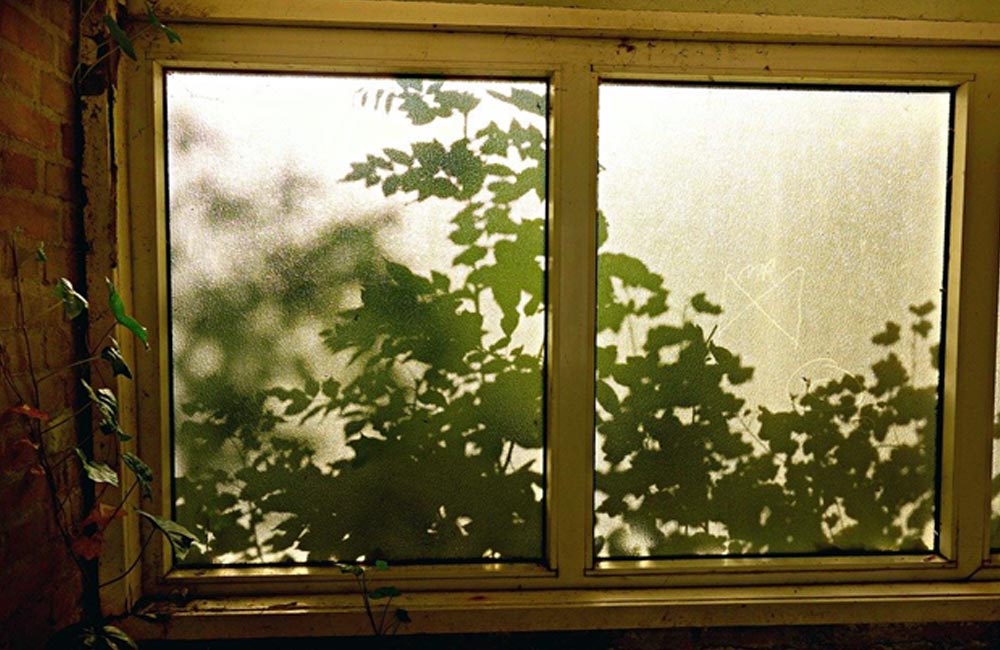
point(543, 319)
point(357, 314)
point(767, 293)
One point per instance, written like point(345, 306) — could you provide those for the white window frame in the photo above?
point(574, 50)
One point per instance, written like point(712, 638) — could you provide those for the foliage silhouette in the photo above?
point(436, 407)
point(427, 389)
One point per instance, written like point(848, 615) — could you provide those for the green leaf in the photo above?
point(381, 565)
point(73, 303)
point(107, 405)
point(384, 592)
point(116, 638)
point(113, 355)
point(397, 156)
point(410, 83)
point(403, 616)
point(154, 20)
point(97, 472)
point(450, 100)
point(142, 472)
point(354, 569)
point(118, 309)
point(40, 253)
point(171, 35)
point(922, 310)
point(181, 539)
point(417, 109)
point(391, 185)
point(120, 37)
point(496, 140)
point(523, 99)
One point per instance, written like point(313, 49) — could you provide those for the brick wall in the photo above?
point(41, 585)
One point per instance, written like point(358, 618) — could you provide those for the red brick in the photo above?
point(30, 269)
point(67, 135)
point(53, 395)
point(15, 351)
point(60, 181)
point(18, 170)
point(27, 124)
point(18, 73)
point(58, 348)
point(25, 32)
point(22, 455)
point(66, 599)
point(62, 440)
point(69, 214)
point(24, 492)
point(37, 302)
point(37, 530)
point(8, 303)
point(39, 222)
point(6, 263)
point(62, 14)
point(65, 61)
point(24, 582)
point(57, 95)
point(59, 262)
point(36, 338)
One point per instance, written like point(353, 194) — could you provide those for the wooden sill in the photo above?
point(555, 610)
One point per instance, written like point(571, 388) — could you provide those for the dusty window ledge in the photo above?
point(553, 610)
point(586, 22)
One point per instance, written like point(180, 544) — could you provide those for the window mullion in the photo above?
point(572, 252)
point(969, 366)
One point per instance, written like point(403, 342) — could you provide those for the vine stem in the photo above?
point(43, 459)
point(93, 350)
point(124, 498)
point(135, 562)
point(381, 622)
point(56, 371)
point(38, 316)
point(78, 80)
point(68, 418)
point(86, 12)
point(21, 321)
point(363, 582)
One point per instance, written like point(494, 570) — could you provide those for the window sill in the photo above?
point(533, 611)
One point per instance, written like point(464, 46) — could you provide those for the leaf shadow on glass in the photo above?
point(434, 391)
point(439, 405)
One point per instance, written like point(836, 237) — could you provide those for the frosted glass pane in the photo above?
point(770, 282)
point(357, 316)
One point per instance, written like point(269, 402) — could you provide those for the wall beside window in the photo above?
point(38, 201)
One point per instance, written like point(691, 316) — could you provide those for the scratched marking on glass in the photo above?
point(793, 281)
